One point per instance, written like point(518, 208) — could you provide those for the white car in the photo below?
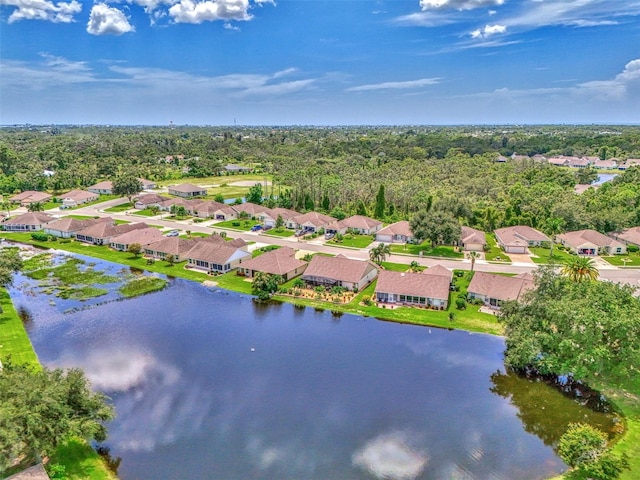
point(172, 233)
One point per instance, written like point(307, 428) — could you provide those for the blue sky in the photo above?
point(312, 62)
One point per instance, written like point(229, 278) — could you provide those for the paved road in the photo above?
point(607, 272)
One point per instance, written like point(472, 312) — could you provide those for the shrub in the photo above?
point(461, 303)
point(40, 236)
point(633, 248)
point(235, 224)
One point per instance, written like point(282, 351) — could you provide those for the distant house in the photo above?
point(270, 216)
point(340, 271)
point(178, 202)
point(591, 242)
point(176, 246)
point(399, 232)
point(628, 236)
point(142, 236)
point(472, 240)
point(281, 261)
point(77, 197)
point(520, 158)
point(248, 209)
point(428, 289)
point(28, 222)
point(215, 257)
point(28, 197)
point(310, 222)
point(147, 184)
point(225, 213)
point(518, 238)
point(149, 199)
point(102, 233)
point(630, 162)
point(558, 161)
point(356, 223)
point(581, 162)
point(102, 188)
point(67, 227)
point(206, 209)
point(232, 168)
point(187, 190)
point(494, 289)
point(605, 164)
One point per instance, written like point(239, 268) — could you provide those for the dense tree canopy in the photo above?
point(127, 185)
point(39, 409)
point(587, 329)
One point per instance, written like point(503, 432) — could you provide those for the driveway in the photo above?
point(521, 258)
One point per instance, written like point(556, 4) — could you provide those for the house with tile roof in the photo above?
point(177, 247)
point(77, 197)
point(102, 233)
point(399, 232)
point(628, 236)
point(281, 261)
point(518, 238)
point(591, 242)
point(102, 188)
point(310, 222)
point(187, 190)
point(215, 257)
point(141, 236)
point(27, 222)
point(147, 200)
point(493, 289)
point(472, 240)
point(67, 227)
point(270, 216)
point(357, 223)
point(340, 271)
point(205, 209)
point(427, 289)
point(249, 210)
point(28, 197)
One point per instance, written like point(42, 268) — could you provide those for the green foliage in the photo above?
point(380, 203)
point(10, 262)
point(35, 207)
point(255, 194)
point(127, 185)
point(40, 236)
point(142, 284)
point(379, 253)
point(264, 285)
point(461, 303)
point(580, 269)
point(584, 448)
point(588, 329)
point(279, 222)
point(218, 197)
point(439, 227)
point(135, 249)
point(39, 409)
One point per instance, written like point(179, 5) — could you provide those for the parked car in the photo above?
point(172, 233)
point(329, 236)
point(300, 233)
point(255, 228)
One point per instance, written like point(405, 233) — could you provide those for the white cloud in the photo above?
point(488, 30)
point(390, 457)
point(191, 11)
point(53, 72)
point(423, 82)
point(458, 4)
point(58, 12)
point(106, 20)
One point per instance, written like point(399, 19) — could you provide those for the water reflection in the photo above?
point(545, 411)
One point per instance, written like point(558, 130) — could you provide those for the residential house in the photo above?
point(630, 162)
point(236, 242)
point(518, 238)
point(579, 162)
point(232, 168)
point(605, 164)
point(149, 199)
point(428, 289)
point(171, 246)
point(539, 158)
point(166, 205)
point(494, 289)
point(187, 190)
point(77, 197)
point(142, 236)
point(520, 158)
point(28, 197)
point(501, 159)
point(215, 257)
point(472, 240)
point(206, 209)
point(558, 161)
point(281, 261)
point(102, 188)
point(27, 222)
point(67, 227)
point(102, 233)
point(225, 213)
point(310, 221)
point(340, 271)
point(147, 184)
point(628, 236)
point(249, 210)
point(591, 242)
point(399, 232)
point(356, 223)
point(270, 217)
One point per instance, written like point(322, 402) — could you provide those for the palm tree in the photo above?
point(580, 269)
point(473, 256)
point(379, 254)
point(35, 207)
point(553, 226)
point(414, 266)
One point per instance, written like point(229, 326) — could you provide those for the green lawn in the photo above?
point(281, 232)
point(141, 285)
point(13, 337)
point(233, 281)
point(119, 208)
point(495, 253)
point(81, 462)
point(427, 251)
point(244, 224)
point(145, 213)
point(102, 198)
point(79, 217)
point(50, 205)
point(559, 256)
point(351, 240)
point(628, 260)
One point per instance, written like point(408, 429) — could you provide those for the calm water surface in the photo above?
point(318, 397)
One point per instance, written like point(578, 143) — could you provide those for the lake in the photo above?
point(207, 384)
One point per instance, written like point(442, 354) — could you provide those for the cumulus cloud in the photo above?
point(58, 12)
point(391, 457)
point(458, 4)
point(618, 87)
point(488, 30)
point(423, 82)
point(106, 20)
point(191, 11)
